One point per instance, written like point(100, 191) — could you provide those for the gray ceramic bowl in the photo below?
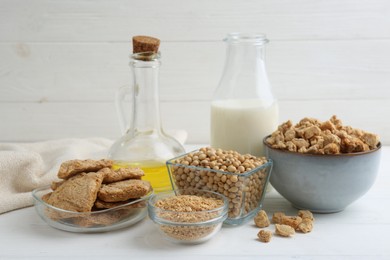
point(323, 183)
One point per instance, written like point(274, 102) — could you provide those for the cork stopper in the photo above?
point(145, 44)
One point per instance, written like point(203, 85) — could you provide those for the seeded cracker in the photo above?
point(73, 167)
point(121, 174)
point(55, 184)
point(124, 190)
point(78, 193)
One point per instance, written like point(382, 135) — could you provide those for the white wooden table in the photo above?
point(359, 232)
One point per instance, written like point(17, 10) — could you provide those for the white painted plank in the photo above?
point(304, 70)
point(42, 121)
point(175, 20)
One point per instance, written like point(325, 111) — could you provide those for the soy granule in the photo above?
point(285, 226)
point(284, 230)
point(188, 209)
point(264, 235)
point(261, 219)
point(188, 203)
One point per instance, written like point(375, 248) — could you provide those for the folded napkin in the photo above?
point(26, 166)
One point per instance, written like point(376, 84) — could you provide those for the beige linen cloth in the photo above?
point(26, 166)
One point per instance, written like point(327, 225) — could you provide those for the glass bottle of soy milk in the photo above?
point(243, 109)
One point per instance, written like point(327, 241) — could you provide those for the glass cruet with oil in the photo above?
point(145, 144)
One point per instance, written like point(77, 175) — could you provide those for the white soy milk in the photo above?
point(241, 125)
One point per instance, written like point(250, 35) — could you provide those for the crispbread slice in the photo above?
point(46, 197)
point(78, 193)
point(73, 167)
point(104, 219)
point(124, 190)
point(55, 184)
point(121, 174)
point(100, 204)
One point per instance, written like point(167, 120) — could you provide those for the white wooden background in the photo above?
point(62, 61)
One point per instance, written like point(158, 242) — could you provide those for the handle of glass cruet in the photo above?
point(123, 103)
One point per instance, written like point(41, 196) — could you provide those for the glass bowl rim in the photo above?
point(244, 174)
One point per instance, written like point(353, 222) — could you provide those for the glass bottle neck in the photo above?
point(245, 57)
point(244, 74)
point(146, 111)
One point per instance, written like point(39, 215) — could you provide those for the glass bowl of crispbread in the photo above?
point(322, 166)
point(103, 220)
point(93, 196)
